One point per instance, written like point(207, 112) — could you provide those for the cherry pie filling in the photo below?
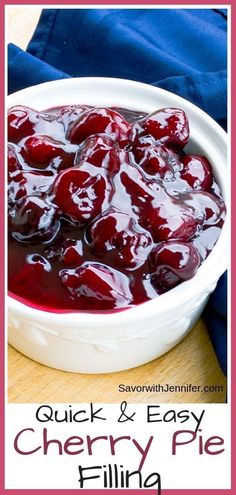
point(105, 208)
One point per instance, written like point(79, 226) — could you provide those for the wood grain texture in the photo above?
point(192, 361)
point(21, 23)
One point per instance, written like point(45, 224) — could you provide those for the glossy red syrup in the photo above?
point(106, 210)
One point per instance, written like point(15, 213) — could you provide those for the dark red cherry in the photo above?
point(72, 252)
point(158, 160)
point(170, 220)
point(139, 142)
point(40, 151)
point(97, 121)
point(118, 235)
point(28, 184)
point(156, 157)
point(14, 164)
point(137, 187)
point(168, 125)
point(197, 172)
point(172, 263)
point(97, 286)
point(33, 220)
point(99, 151)
point(67, 251)
point(21, 122)
point(31, 280)
point(154, 164)
point(207, 207)
point(80, 195)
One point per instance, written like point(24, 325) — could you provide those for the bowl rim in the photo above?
point(183, 292)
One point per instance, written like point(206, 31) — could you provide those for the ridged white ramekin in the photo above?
point(101, 343)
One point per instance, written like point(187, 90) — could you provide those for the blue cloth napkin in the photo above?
point(180, 50)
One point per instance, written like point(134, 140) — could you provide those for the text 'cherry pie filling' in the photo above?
point(106, 209)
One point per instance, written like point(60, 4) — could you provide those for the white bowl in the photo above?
point(101, 343)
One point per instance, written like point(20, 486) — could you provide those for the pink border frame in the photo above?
point(3, 491)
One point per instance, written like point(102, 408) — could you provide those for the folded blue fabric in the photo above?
point(215, 316)
point(180, 50)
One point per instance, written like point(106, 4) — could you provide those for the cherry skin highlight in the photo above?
point(21, 121)
point(79, 194)
point(169, 126)
point(103, 286)
point(197, 172)
point(13, 161)
point(119, 235)
point(171, 263)
point(24, 184)
point(100, 120)
point(33, 220)
point(99, 151)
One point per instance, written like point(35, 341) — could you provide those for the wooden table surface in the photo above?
point(192, 361)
